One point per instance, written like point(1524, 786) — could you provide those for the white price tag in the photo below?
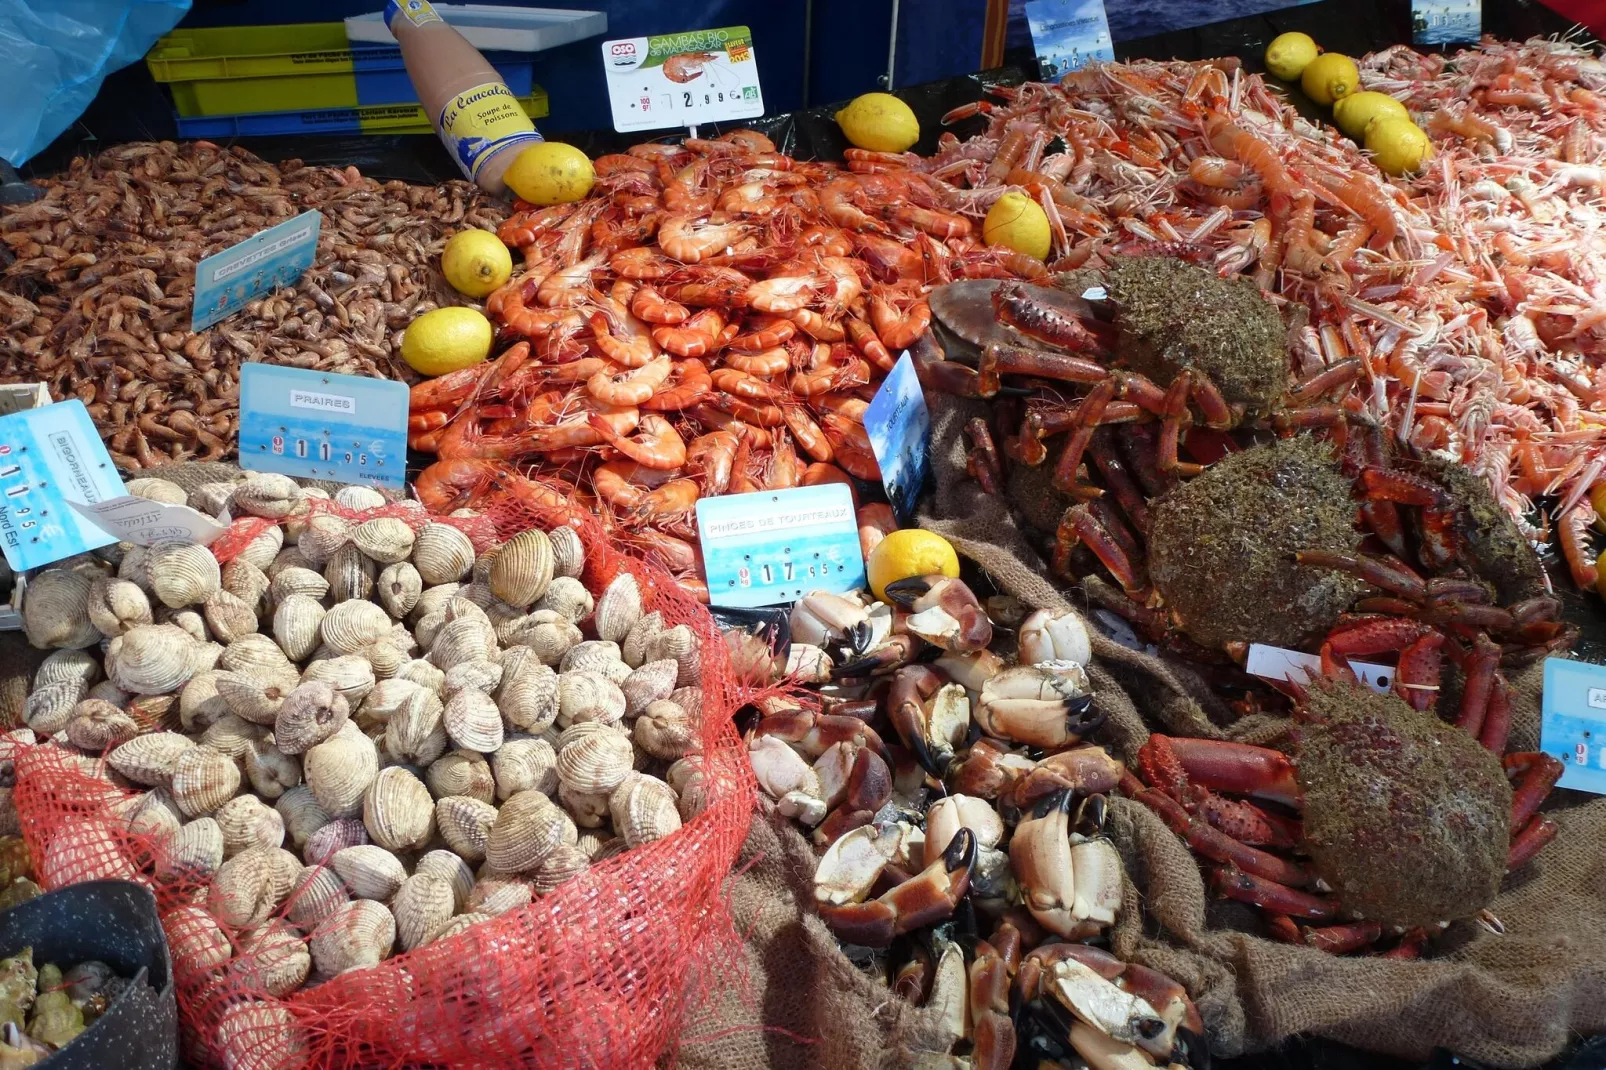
point(682, 79)
point(145, 523)
point(1275, 663)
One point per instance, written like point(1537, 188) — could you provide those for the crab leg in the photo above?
point(1215, 845)
point(1529, 842)
point(991, 974)
point(1438, 539)
point(1344, 938)
point(1536, 773)
point(928, 897)
point(1088, 415)
point(1079, 525)
point(1497, 715)
point(1325, 381)
point(1395, 577)
point(1212, 406)
point(1270, 895)
point(1171, 424)
point(983, 462)
point(1119, 480)
point(1238, 768)
point(1478, 675)
point(1000, 360)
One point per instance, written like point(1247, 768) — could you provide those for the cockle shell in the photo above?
point(203, 780)
point(473, 721)
point(259, 1035)
point(465, 824)
point(157, 490)
point(644, 809)
point(398, 589)
point(414, 733)
point(359, 499)
point(246, 821)
point(568, 596)
point(303, 814)
point(564, 863)
point(271, 771)
point(264, 545)
point(317, 892)
point(194, 852)
point(135, 567)
point(349, 674)
point(339, 770)
point(461, 772)
point(665, 731)
point(250, 700)
point(496, 896)
point(522, 569)
point(589, 696)
point(370, 871)
point(288, 558)
point(653, 681)
point(324, 534)
point(484, 676)
point(595, 656)
point(420, 672)
point(528, 695)
point(254, 655)
point(227, 616)
point(619, 608)
point(296, 625)
point(84, 850)
point(443, 554)
point(115, 606)
point(354, 936)
point(152, 814)
point(422, 907)
point(384, 700)
point(211, 498)
point(274, 958)
point(150, 759)
point(481, 572)
point(434, 600)
point(589, 809)
point(183, 574)
point(642, 639)
point(528, 827)
point(195, 939)
point(336, 836)
point(266, 494)
point(232, 735)
point(49, 709)
point(593, 758)
point(460, 640)
point(450, 868)
point(250, 886)
point(385, 539)
point(205, 655)
point(398, 810)
point(350, 573)
point(67, 667)
point(96, 725)
point(461, 924)
point(524, 764)
point(297, 581)
point(683, 645)
point(310, 714)
point(246, 582)
point(550, 639)
point(55, 612)
point(350, 626)
point(568, 552)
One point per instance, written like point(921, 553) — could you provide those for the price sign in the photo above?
point(49, 457)
point(319, 425)
point(778, 545)
point(899, 427)
point(1572, 724)
point(225, 282)
point(682, 79)
point(1443, 22)
point(145, 523)
point(1067, 34)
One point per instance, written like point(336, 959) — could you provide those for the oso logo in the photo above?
point(622, 54)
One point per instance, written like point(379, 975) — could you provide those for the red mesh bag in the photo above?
point(596, 974)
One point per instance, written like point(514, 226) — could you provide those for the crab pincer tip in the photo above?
point(906, 592)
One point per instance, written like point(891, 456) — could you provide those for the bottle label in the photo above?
point(479, 121)
point(417, 12)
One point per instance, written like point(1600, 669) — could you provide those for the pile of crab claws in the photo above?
point(927, 897)
point(943, 611)
point(1030, 705)
point(931, 715)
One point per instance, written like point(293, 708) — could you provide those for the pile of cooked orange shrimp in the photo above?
point(715, 317)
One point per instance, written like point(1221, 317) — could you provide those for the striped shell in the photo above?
point(150, 759)
point(115, 606)
point(522, 569)
point(593, 758)
point(296, 625)
point(472, 721)
point(568, 597)
point(349, 674)
point(195, 852)
point(423, 905)
point(250, 700)
point(317, 892)
point(653, 681)
point(385, 539)
point(639, 643)
point(264, 545)
point(644, 809)
point(398, 810)
point(619, 608)
point(252, 885)
point(339, 770)
point(247, 821)
point(459, 640)
point(398, 589)
point(49, 709)
point(297, 580)
point(462, 772)
point(461, 924)
point(683, 645)
point(246, 582)
point(360, 499)
point(370, 871)
point(195, 939)
point(527, 829)
point(266, 494)
point(271, 771)
point(211, 498)
point(350, 573)
point(434, 600)
point(183, 574)
point(443, 554)
point(665, 731)
point(451, 869)
point(414, 733)
point(590, 656)
point(482, 676)
point(550, 639)
point(336, 836)
point(302, 813)
point(135, 567)
point(84, 850)
point(350, 626)
point(232, 735)
point(55, 612)
point(67, 667)
point(568, 552)
point(528, 695)
point(150, 813)
point(496, 896)
point(258, 1035)
point(564, 863)
point(203, 780)
point(153, 659)
point(525, 764)
point(310, 714)
point(254, 655)
point(286, 559)
point(465, 824)
point(354, 936)
point(384, 700)
point(420, 672)
point(157, 490)
point(324, 534)
point(589, 696)
point(589, 809)
point(275, 958)
point(96, 724)
point(227, 616)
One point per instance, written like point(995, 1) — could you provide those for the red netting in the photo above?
point(481, 530)
point(598, 973)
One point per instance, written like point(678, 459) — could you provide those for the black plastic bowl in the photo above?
point(115, 922)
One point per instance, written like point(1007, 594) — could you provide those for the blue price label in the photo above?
point(48, 457)
point(776, 546)
point(1067, 34)
point(319, 425)
point(226, 282)
point(1573, 722)
point(899, 427)
point(1442, 22)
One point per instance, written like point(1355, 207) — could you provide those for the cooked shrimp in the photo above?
point(762, 332)
point(568, 287)
point(650, 306)
point(622, 338)
point(741, 384)
point(642, 263)
point(689, 240)
point(688, 384)
point(656, 443)
point(622, 484)
point(697, 337)
point(631, 386)
point(711, 454)
point(765, 365)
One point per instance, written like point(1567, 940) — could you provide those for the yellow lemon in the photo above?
point(909, 552)
point(1289, 54)
point(550, 173)
point(1398, 146)
point(1355, 112)
point(879, 122)
point(1328, 77)
point(1597, 498)
point(445, 340)
point(1600, 575)
point(476, 262)
point(1018, 222)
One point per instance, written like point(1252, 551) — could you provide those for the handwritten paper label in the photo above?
point(1276, 663)
point(145, 523)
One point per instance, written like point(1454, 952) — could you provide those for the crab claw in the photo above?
point(931, 715)
point(1071, 886)
point(820, 618)
point(943, 611)
point(1127, 1003)
point(1042, 709)
point(1054, 637)
point(893, 654)
point(1086, 770)
point(928, 897)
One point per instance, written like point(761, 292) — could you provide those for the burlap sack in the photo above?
point(1513, 1000)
